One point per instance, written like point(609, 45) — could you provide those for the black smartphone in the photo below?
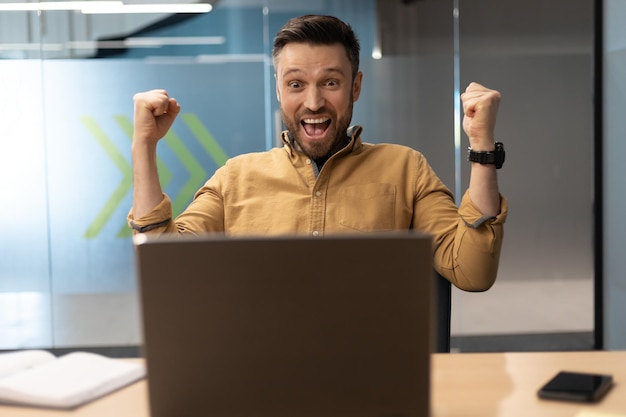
point(576, 386)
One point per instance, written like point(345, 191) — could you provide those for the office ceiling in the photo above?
point(403, 24)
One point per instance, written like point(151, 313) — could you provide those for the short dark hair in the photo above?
point(319, 30)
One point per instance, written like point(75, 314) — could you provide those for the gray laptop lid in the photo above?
point(287, 326)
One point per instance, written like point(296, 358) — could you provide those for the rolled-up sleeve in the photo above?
point(159, 220)
point(204, 214)
point(472, 264)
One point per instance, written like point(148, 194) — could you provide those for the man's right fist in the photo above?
point(155, 111)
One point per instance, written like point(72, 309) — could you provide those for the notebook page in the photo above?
point(13, 362)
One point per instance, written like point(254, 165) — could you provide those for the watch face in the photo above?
point(499, 155)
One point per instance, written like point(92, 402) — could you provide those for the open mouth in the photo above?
point(315, 126)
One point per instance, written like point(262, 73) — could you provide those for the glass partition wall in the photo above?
point(67, 276)
point(540, 55)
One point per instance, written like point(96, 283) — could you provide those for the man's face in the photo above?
point(316, 93)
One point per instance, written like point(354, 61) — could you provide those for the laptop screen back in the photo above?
point(287, 326)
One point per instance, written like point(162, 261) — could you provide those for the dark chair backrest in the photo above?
point(443, 291)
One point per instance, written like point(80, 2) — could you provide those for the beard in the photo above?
point(320, 150)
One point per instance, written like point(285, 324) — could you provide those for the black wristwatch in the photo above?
point(495, 157)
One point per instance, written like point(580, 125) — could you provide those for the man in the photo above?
point(325, 179)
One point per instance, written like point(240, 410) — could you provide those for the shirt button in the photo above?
point(308, 162)
point(315, 233)
point(318, 193)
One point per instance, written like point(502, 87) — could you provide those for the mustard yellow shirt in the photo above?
point(362, 188)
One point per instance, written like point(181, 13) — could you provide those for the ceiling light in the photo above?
point(54, 5)
point(147, 42)
point(107, 7)
point(148, 8)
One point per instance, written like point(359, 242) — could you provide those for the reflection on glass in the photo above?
point(25, 320)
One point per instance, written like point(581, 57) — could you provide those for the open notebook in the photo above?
point(287, 326)
point(38, 378)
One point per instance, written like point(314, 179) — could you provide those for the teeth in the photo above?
point(315, 121)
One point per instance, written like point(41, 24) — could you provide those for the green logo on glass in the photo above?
point(197, 175)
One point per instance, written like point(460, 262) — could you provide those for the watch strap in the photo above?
point(495, 157)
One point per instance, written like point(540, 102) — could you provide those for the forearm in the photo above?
point(147, 191)
point(483, 189)
point(480, 106)
point(154, 114)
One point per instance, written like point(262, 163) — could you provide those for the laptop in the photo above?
point(287, 326)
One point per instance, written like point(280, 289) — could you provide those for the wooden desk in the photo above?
point(464, 385)
point(505, 384)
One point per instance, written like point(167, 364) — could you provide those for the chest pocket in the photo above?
point(368, 207)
